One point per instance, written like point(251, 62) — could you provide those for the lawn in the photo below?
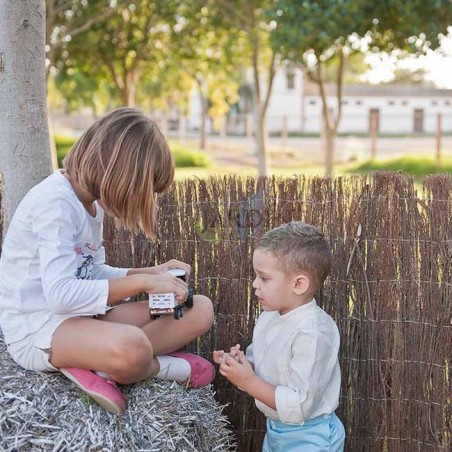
point(192, 162)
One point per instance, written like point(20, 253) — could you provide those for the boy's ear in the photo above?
point(301, 284)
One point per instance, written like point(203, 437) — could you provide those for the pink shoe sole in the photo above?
point(104, 392)
point(202, 371)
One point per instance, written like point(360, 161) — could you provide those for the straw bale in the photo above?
point(49, 413)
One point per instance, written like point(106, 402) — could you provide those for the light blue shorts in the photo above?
point(321, 434)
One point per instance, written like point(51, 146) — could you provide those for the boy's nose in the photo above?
point(254, 283)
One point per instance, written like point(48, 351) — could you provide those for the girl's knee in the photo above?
point(203, 310)
point(132, 353)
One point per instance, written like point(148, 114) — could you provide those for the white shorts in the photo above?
point(33, 351)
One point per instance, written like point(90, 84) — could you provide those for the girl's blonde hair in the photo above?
point(124, 160)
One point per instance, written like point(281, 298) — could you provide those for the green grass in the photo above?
point(192, 162)
point(414, 166)
point(183, 156)
point(63, 145)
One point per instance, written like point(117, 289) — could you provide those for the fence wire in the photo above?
point(389, 292)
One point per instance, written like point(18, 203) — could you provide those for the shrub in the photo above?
point(414, 166)
point(63, 145)
point(184, 157)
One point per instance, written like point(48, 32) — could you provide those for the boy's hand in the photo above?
point(235, 352)
point(237, 370)
point(220, 355)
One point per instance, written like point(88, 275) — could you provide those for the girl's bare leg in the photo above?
point(122, 351)
point(124, 342)
point(165, 333)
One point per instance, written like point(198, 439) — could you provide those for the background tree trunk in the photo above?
point(24, 137)
point(204, 111)
point(260, 137)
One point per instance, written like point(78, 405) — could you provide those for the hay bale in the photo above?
point(48, 412)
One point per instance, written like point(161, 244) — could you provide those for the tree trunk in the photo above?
point(24, 136)
point(203, 126)
point(330, 141)
point(52, 142)
point(260, 137)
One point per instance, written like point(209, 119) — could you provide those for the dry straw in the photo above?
point(48, 413)
point(390, 290)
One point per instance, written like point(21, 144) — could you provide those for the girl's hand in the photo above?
point(166, 283)
point(173, 263)
point(239, 373)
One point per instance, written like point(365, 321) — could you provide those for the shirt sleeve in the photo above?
point(249, 354)
point(103, 271)
point(314, 358)
point(54, 224)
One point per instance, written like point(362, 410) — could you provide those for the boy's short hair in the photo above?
point(124, 160)
point(300, 247)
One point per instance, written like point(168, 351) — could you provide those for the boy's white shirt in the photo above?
point(298, 353)
point(53, 261)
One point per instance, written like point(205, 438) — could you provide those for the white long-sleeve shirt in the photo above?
point(53, 261)
point(298, 353)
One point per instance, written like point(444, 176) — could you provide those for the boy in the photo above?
point(291, 368)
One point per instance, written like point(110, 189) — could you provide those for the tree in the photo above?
point(314, 33)
point(209, 54)
point(24, 138)
point(65, 19)
point(250, 20)
point(120, 46)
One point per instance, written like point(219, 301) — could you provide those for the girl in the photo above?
point(57, 295)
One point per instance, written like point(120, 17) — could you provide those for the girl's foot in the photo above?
point(202, 372)
point(103, 391)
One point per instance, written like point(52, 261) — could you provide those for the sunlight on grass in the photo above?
point(416, 167)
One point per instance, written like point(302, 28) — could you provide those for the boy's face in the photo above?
point(274, 289)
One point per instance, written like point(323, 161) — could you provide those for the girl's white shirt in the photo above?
point(52, 261)
point(298, 353)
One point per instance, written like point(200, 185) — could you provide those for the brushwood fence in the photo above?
point(390, 290)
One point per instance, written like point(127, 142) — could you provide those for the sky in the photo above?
point(438, 65)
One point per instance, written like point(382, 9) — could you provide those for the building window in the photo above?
point(312, 102)
point(446, 102)
point(391, 102)
point(434, 102)
point(290, 77)
point(359, 102)
point(344, 102)
point(404, 102)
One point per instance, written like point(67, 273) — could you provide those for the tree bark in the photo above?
point(203, 103)
point(330, 140)
point(24, 137)
point(260, 137)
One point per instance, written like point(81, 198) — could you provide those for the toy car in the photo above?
point(166, 303)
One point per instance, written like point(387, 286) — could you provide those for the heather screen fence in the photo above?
point(390, 290)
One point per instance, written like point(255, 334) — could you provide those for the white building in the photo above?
point(296, 107)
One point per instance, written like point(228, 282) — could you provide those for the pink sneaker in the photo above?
point(202, 371)
point(103, 391)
